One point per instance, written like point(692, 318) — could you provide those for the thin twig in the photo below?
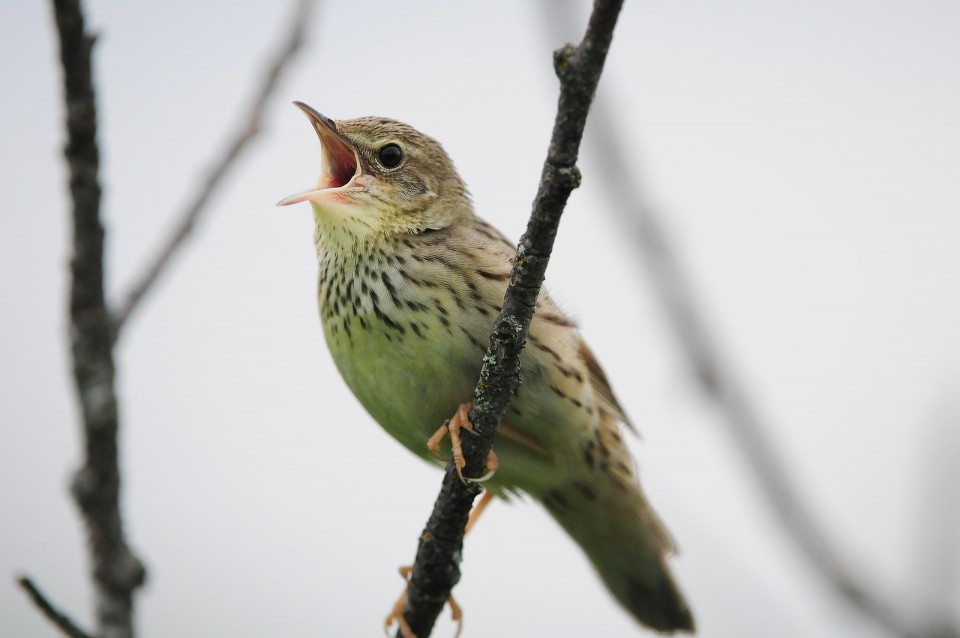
point(117, 572)
point(436, 569)
point(54, 615)
point(248, 130)
point(717, 377)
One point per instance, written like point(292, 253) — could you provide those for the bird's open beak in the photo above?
point(341, 163)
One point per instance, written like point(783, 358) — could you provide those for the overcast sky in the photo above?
point(804, 156)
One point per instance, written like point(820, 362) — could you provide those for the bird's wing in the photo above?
point(601, 386)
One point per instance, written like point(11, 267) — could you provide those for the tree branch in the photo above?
point(54, 615)
point(436, 569)
point(117, 572)
point(245, 133)
point(718, 379)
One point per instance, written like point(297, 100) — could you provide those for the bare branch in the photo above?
point(717, 377)
point(436, 569)
point(117, 572)
point(54, 615)
point(248, 130)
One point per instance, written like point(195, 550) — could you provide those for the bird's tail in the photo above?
point(627, 544)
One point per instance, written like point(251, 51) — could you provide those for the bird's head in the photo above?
point(380, 177)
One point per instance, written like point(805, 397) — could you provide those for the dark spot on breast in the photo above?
point(391, 289)
point(456, 298)
point(472, 339)
point(474, 293)
point(387, 321)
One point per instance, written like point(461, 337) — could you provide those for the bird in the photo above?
point(410, 282)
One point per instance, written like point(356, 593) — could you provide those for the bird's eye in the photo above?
point(390, 156)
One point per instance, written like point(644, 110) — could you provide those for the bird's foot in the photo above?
point(461, 421)
point(396, 614)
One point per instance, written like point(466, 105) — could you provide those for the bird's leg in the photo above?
point(456, 613)
point(477, 511)
point(396, 614)
point(433, 443)
point(461, 421)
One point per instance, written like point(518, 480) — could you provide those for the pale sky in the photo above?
point(804, 157)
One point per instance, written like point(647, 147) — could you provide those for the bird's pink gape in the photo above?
point(340, 166)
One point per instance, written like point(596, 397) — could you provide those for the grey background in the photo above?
point(805, 158)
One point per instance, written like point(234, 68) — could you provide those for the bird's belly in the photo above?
point(410, 382)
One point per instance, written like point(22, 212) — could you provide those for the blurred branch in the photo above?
point(117, 572)
point(58, 618)
point(436, 569)
point(248, 130)
point(719, 380)
point(937, 575)
point(717, 376)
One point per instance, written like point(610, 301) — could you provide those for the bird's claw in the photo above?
point(461, 421)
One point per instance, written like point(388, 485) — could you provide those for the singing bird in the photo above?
point(410, 283)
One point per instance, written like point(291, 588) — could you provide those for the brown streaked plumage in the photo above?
point(410, 282)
